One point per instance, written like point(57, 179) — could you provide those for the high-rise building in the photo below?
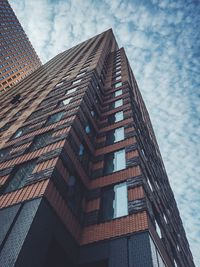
point(17, 56)
point(82, 179)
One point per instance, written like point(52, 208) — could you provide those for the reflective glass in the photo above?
point(117, 93)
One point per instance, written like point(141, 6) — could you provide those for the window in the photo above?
point(83, 156)
point(87, 129)
point(59, 84)
point(55, 118)
point(20, 177)
point(71, 90)
point(117, 93)
point(116, 85)
point(158, 230)
point(92, 113)
point(115, 136)
point(75, 194)
point(118, 72)
point(84, 69)
point(4, 152)
point(117, 103)
point(114, 203)
point(65, 77)
point(81, 150)
point(40, 141)
point(149, 184)
point(77, 81)
point(118, 116)
point(118, 78)
point(114, 161)
point(66, 101)
point(165, 218)
point(19, 133)
point(80, 74)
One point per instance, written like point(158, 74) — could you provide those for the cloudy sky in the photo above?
point(161, 38)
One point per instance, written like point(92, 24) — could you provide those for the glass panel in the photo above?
point(118, 78)
point(75, 194)
point(107, 209)
point(118, 116)
point(118, 103)
point(92, 113)
point(4, 152)
point(117, 93)
point(149, 184)
point(87, 129)
point(55, 118)
point(160, 260)
point(109, 163)
point(81, 150)
point(77, 81)
point(65, 77)
point(71, 90)
point(175, 264)
point(119, 134)
point(18, 133)
point(114, 161)
point(67, 101)
point(158, 229)
point(121, 201)
point(80, 74)
point(118, 72)
point(120, 161)
point(20, 177)
point(118, 84)
point(40, 141)
point(59, 84)
point(115, 136)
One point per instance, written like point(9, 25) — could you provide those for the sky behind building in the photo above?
point(161, 39)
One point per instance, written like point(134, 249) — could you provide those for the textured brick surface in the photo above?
point(135, 193)
point(115, 177)
point(114, 228)
point(23, 194)
point(15, 240)
point(32, 155)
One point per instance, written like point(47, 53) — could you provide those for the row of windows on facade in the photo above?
point(117, 195)
point(58, 116)
point(81, 74)
point(114, 118)
point(9, 44)
point(114, 161)
point(114, 201)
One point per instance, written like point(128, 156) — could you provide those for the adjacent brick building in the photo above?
point(17, 56)
point(82, 180)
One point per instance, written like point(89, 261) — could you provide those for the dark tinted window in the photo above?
point(19, 179)
point(118, 116)
point(40, 141)
point(114, 136)
point(55, 118)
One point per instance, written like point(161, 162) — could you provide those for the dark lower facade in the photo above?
point(33, 235)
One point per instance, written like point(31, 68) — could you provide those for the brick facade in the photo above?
point(80, 143)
